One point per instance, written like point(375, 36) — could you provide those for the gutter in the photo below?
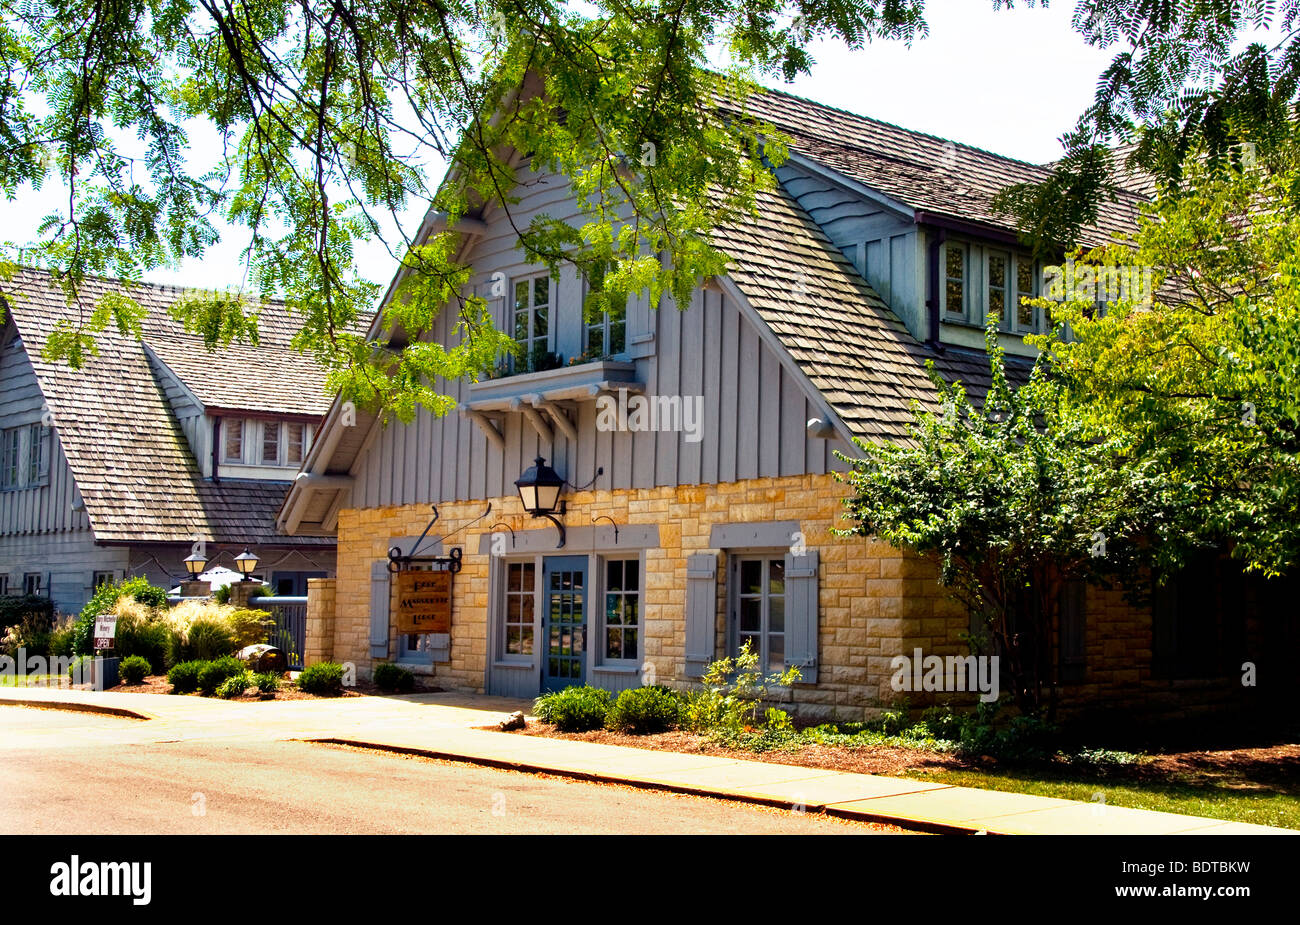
point(216, 443)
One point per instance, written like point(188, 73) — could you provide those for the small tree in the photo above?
point(1010, 499)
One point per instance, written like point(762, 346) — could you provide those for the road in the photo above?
point(75, 773)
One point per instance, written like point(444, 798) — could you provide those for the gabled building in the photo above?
point(705, 521)
point(155, 446)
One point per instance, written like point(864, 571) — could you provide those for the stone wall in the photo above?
point(319, 644)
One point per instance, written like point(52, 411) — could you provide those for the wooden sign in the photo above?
point(424, 602)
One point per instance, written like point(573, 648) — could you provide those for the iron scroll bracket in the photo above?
point(399, 562)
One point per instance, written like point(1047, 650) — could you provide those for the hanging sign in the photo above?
point(424, 601)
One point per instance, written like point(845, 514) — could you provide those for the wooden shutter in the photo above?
point(379, 595)
point(801, 614)
point(701, 611)
point(1073, 609)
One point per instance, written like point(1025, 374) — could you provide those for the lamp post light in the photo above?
point(246, 562)
point(195, 564)
point(539, 489)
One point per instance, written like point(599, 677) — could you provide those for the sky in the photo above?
point(1011, 81)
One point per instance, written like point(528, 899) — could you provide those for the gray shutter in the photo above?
point(801, 614)
point(379, 594)
point(701, 611)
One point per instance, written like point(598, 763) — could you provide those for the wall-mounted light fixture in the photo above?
point(539, 489)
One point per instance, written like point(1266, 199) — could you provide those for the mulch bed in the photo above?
point(1274, 768)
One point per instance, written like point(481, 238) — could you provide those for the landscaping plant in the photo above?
point(734, 689)
point(266, 682)
point(234, 685)
point(213, 673)
point(134, 669)
point(390, 677)
point(323, 679)
point(645, 711)
point(573, 709)
point(184, 677)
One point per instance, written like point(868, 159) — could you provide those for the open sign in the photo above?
point(105, 630)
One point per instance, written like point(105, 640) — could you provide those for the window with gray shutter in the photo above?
point(701, 611)
point(379, 594)
point(801, 614)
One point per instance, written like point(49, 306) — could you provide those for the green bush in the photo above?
point(645, 710)
point(102, 601)
point(184, 677)
point(133, 669)
point(268, 682)
point(324, 678)
point(390, 677)
point(734, 689)
point(212, 673)
point(574, 709)
point(26, 608)
point(151, 641)
point(61, 639)
point(233, 686)
point(79, 670)
point(209, 639)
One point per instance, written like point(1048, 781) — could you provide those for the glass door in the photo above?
point(564, 621)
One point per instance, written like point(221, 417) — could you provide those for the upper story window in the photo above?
point(253, 442)
point(10, 441)
point(533, 318)
point(1024, 319)
point(607, 336)
point(954, 280)
point(24, 456)
point(38, 454)
point(233, 446)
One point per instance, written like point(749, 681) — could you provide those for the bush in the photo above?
point(104, 599)
point(222, 595)
point(61, 638)
point(322, 678)
point(268, 682)
point(79, 670)
point(133, 669)
point(249, 627)
point(574, 709)
point(213, 673)
point(645, 710)
point(390, 677)
point(27, 621)
point(184, 677)
point(734, 689)
point(209, 639)
point(233, 686)
point(148, 639)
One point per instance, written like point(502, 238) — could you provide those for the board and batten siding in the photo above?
point(755, 410)
point(882, 244)
point(195, 423)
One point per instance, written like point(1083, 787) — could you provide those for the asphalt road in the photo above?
point(64, 773)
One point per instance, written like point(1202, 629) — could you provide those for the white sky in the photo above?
point(1010, 81)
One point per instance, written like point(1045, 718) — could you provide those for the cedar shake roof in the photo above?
point(132, 463)
point(921, 171)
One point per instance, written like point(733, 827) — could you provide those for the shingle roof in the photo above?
point(128, 454)
point(921, 171)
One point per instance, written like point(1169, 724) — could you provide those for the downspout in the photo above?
point(937, 236)
point(216, 442)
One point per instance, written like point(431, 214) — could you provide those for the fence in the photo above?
point(289, 630)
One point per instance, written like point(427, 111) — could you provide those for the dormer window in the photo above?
point(270, 444)
point(261, 442)
point(233, 444)
point(954, 276)
point(1026, 288)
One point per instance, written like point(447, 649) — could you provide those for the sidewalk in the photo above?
point(441, 726)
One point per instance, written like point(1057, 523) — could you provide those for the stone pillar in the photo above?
point(241, 592)
point(196, 589)
point(319, 646)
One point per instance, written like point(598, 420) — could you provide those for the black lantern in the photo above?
point(539, 489)
point(194, 564)
point(246, 562)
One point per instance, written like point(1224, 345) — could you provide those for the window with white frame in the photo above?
point(32, 583)
point(758, 608)
point(99, 579)
point(296, 435)
point(269, 454)
point(999, 269)
point(232, 444)
point(954, 280)
point(532, 316)
point(607, 336)
point(10, 443)
point(38, 454)
point(1024, 319)
point(622, 610)
point(265, 443)
point(521, 597)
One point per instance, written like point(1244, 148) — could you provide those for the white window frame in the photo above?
point(37, 455)
point(284, 442)
point(1012, 323)
point(735, 596)
point(276, 428)
point(1007, 287)
point(533, 338)
point(963, 313)
point(31, 587)
point(226, 425)
point(11, 456)
point(602, 595)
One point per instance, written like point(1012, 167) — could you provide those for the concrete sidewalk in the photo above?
point(443, 726)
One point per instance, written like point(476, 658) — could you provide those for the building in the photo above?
point(706, 520)
point(156, 447)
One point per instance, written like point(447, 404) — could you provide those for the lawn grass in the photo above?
point(31, 680)
point(1233, 804)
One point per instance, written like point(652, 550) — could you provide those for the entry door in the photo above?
point(564, 621)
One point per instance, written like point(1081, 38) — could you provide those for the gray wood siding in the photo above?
point(195, 423)
point(67, 562)
point(40, 509)
point(754, 406)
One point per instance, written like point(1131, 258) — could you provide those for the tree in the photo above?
point(1202, 378)
point(1011, 498)
point(324, 112)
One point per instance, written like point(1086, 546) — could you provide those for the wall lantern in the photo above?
point(246, 562)
point(539, 489)
point(194, 564)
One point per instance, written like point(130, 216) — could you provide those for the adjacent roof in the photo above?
point(128, 454)
point(921, 171)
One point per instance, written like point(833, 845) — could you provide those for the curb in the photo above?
point(934, 828)
point(77, 707)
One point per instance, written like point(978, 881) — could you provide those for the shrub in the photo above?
point(645, 710)
point(212, 673)
point(222, 595)
point(28, 621)
point(133, 669)
point(61, 638)
point(734, 688)
point(140, 631)
point(248, 627)
point(322, 678)
point(390, 677)
point(184, 677)
point(209, 639)
point(574, 709)
point(268, 682)
point(104, 599)
point(233, 686)
point(79, 670)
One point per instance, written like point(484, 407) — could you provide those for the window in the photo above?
point(38, 456)
point(99, 579)
point(954, 272)
point(622, 609)
point(32, 583)
point(997, 276)
point(233, 445)
point(759, 609)
point(532, 317)
point(9, 456)
point(1023, 321)
point(521, 595)
point(4, 584)
point(295, 443)
point(270, 443)
point(607, 336)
